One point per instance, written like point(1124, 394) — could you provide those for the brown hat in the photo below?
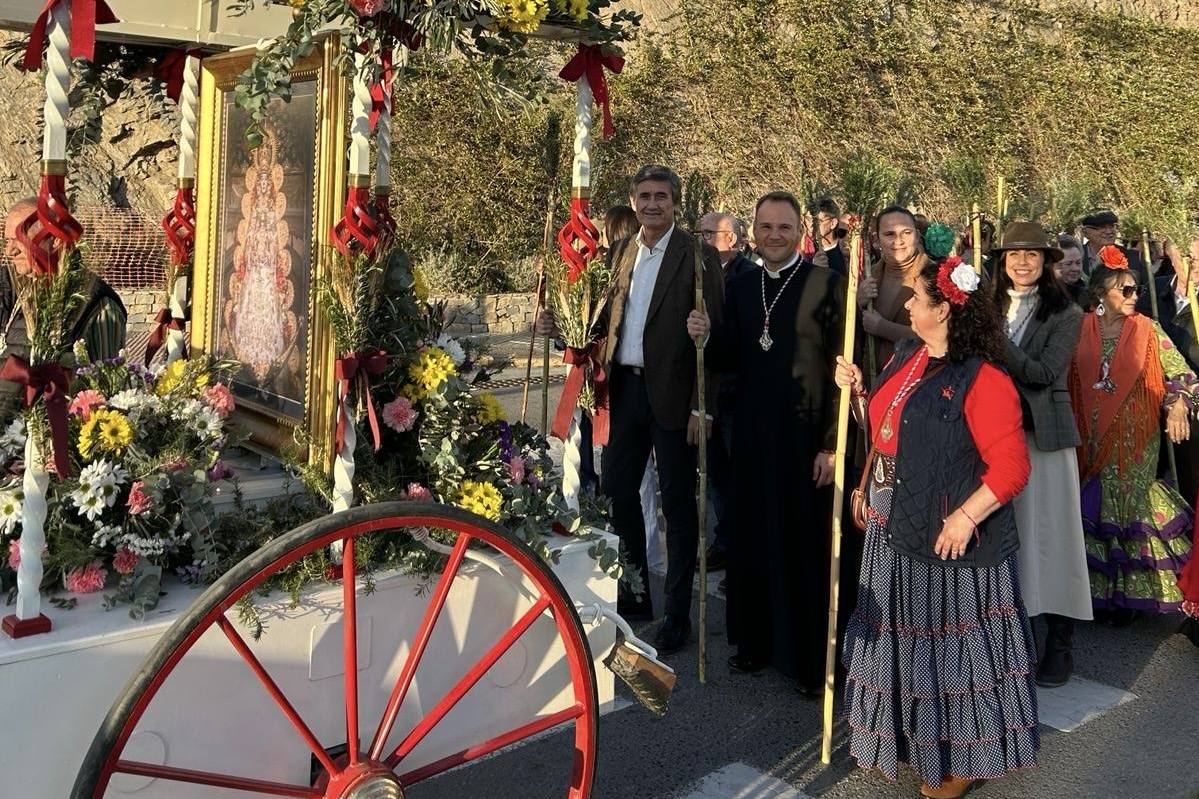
point(1028, 236)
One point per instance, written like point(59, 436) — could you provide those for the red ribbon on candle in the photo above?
point(591, 61)
point(584, 362)
point(85, 16)
point(358, 367)
point(49, 381)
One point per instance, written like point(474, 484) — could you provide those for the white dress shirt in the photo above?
point(631, 351)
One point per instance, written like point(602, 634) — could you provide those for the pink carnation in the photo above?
point(220, 399)
point(139, 501)
point(125, 561)
point(85, 402)
point(516, 469)
point(399, 414)
point(86, 580)
point(418, 493)
point(14, 554)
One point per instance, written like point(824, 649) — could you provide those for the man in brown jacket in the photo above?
point(653, 391)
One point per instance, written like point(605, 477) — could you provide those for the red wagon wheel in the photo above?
point(370, 766)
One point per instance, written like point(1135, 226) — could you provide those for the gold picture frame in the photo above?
point(263, 218)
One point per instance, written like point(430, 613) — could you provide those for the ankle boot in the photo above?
point(1057, 661)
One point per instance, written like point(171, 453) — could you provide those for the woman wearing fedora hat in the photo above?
point(1126, 372)
point(1042, 324)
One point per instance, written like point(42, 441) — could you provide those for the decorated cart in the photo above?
point(366, 650)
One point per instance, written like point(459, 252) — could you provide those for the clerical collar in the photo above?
point(776, 275)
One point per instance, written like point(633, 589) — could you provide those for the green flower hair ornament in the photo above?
point(939, 240)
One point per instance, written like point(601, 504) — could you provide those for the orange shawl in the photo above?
point(1121, 423)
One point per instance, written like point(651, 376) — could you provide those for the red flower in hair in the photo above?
point(956, 280)
point(1113, 257)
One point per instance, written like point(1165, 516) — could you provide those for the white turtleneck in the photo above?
point(1021, 307)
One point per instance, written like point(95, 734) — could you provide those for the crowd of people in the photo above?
point(1012, 417)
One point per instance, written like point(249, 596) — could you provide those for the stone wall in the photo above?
point(142, 305)
point(489, 314)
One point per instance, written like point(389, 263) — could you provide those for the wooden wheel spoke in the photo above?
point(419, 644)
point(494, 744)
point(276, 694)
point(216, 780)
point(468, 681)
point(349, 624)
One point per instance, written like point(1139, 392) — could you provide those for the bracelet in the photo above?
point(966, 513)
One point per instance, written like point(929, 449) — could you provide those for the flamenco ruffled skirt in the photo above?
point(940, 664)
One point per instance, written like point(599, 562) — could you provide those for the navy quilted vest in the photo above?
point(938, 467)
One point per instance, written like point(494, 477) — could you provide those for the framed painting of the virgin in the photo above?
point(262, 244)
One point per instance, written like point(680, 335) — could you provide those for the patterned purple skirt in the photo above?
point(940, 664)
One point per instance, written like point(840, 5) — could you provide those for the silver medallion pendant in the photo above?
point(766, 341)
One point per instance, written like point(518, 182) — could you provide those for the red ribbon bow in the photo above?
point(358, 367)
point(582, 362)
point(171, 68)
point(590, 61)
point(50, 381)
point(162, 323)
point(407, 36)
point(85, 16)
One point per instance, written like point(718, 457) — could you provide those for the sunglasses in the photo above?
point(1129, 292)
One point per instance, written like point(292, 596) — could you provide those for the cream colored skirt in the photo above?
point(1052, 558)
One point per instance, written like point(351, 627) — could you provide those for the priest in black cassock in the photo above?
point(782, 331)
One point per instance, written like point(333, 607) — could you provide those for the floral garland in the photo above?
point(956, 280)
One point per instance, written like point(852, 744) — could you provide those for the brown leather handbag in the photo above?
point(857, 499)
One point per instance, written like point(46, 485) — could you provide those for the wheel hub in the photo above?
point(377, 786)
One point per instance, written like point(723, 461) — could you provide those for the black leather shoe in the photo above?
point(631, 610)
point(717, 558)
point(745, 664)
point(809, 691)
point(673, 635)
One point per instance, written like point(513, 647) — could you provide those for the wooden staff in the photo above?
point(834, 569)
point(1147, 257)
point(524, 394)
point(976, 232)
point(1194, 303)
point(701, 493)
point(1000, 206)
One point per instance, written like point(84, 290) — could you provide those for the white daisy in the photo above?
point(12, 442)
point(452, 348)
point(206, 423)
point(102, 474)
point(88, 502)
point(10, 511)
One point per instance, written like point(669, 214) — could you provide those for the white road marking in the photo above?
point(739, 781)
point(1074, 704)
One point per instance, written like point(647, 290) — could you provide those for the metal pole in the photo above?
point(834, 569)
point(701, 493)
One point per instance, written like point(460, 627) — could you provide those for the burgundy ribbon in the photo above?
point(180, 226)
point(591, 61)
point(49, 381)
point(85, 16)
point(406, 35)
point(357, 226)
point(578, 240)
point(359, 368)
point(171, 69)
point(162, 323)
point(55, 227)
point(583, 362)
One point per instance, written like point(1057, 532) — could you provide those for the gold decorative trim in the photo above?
point(361, 181)
point(186, 183)
point(581, 192)
point(54, 167)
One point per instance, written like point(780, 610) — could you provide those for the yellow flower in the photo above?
point(428, 373)
point(577, 10)
point(107, 431)
point(523, 16)
point(483, 499)
point(420, 286)
point(490, 409)
point(176, 376)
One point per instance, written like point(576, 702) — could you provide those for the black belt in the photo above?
point(636, 370)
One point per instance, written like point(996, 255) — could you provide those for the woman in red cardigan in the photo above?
point(939, 650)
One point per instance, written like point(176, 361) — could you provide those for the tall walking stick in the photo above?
point(701, 492)
point(1151, 287)
point(976, 235)
point(834, 569)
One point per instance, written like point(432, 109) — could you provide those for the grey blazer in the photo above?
point(1040, 366)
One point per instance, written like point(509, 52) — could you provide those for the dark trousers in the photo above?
point(634, 433)
point(720, 479)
